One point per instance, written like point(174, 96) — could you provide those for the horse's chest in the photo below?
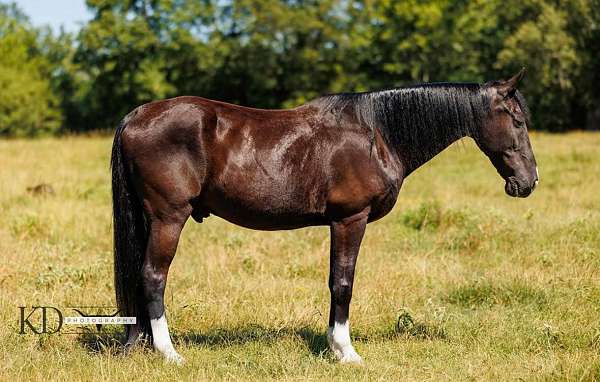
point(383, 205)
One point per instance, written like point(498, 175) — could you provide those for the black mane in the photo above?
point(422, 119)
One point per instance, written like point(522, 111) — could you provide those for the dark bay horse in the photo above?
point(339, 161)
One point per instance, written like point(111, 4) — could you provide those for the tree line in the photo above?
point(280, 53)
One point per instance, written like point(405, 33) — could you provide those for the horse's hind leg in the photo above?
point(346, 236)
point(162, 244)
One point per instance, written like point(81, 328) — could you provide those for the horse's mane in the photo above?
point(420, 118)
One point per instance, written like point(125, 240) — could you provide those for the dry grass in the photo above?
point(459, 282)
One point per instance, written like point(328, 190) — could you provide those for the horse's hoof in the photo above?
point(347, 356)
point(352, 358)
point(174, 357)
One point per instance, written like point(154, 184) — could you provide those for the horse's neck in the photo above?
point(417, 122)
point(421, 121)
point(413, 158)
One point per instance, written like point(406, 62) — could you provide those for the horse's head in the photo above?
point(503, 137)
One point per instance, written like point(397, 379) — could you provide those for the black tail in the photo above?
point(130, 238)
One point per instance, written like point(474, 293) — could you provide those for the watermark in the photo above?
point(50, 319)
point(99, 320)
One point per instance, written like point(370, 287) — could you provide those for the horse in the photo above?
point(337, 161)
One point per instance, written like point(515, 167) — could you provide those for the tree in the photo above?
point(28, 106)
point(119, 51)
point(545, 46)
point(280, 53)
point(402, 42)
point(260, 53)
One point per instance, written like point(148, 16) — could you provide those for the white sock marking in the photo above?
point(338, 337)
point(162, 339)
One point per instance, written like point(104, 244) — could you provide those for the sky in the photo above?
point(68, 13)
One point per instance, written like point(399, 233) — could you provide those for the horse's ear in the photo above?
point(509, 87)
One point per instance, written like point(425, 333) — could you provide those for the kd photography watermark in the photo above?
point(68, 320)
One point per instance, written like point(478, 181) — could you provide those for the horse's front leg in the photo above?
point(346, 236)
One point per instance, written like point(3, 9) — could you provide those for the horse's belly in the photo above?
point(267, 204)
point(247, 215)
point(272, 222)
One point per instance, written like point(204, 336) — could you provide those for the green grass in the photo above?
point(459, 282)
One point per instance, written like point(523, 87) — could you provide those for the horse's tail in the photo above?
point(130, 238)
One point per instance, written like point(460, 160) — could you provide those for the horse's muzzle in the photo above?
point(518, 189)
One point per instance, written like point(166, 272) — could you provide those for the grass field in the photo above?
point(459, 282)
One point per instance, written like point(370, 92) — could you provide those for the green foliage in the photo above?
point(280, 53)
point(408, 327)
point(427, 215)
point(545, 45)
point(28, 105)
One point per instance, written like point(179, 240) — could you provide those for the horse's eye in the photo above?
point(519, 122)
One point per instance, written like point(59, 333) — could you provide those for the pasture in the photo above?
point(459, 282)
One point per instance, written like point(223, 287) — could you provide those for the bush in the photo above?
point(28, 106)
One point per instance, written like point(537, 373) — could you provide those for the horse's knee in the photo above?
point(152, 279)
point(341, 292)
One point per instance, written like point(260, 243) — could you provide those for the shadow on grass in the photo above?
point(219, 337)
point(101, 342)
point(112, 341)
